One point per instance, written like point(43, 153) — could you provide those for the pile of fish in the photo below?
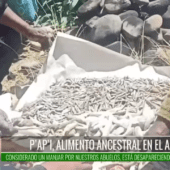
point(98, 107)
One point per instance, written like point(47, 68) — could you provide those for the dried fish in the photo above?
point(69, 127)
point(85, 106)
point(118, 131)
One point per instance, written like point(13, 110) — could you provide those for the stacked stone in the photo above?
point(107, 22)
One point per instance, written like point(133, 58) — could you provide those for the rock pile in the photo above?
point(129, 25)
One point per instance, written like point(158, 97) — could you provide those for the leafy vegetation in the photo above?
point(59, 13)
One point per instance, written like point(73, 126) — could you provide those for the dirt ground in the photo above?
point(24, 71)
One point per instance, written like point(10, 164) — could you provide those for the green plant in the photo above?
point(59, 13)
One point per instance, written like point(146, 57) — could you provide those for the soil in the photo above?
point(25, 70)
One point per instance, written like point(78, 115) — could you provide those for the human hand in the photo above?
point(43, 35)
point(6, 126)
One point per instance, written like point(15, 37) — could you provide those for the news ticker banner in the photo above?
point(85, 149)
point(85, 144)
point(85, 157)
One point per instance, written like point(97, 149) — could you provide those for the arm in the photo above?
point(10, 19)
point(42, 35)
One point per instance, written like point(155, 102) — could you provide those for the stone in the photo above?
point(116, 6)
point(132, 27)
point(152, 24)
point(104, 30)
point(119, 47)
point(156, 7)
point(134, 7)
point(141, 2)
point(127, 14)
point(166, 18)
point(92, 21)
point(89, 9)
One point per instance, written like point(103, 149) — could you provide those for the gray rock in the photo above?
point(104, 30)
point(141, 2)
point(132, 27)
point(134, 7)
point(156, 7)
point(119, 47)
point(152, 24)
point(92, 21)
point(89, 9)
point(166, 18)
point(116, 6)
point(127, 14)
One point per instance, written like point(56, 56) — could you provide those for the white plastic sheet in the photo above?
point(71, 57)
point(5, 105)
